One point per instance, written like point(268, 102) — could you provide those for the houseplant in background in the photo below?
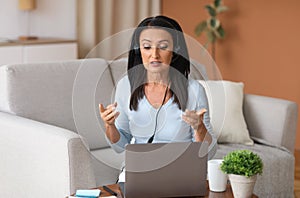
point(212, 26)
point(242, 167)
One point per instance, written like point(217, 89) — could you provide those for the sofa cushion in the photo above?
point(44, 92)
point(40, 92)
point(226, 110)
point(198, 71)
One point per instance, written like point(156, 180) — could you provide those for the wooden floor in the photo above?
point(297, 174)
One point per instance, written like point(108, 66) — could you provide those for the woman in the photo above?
point(156, 101)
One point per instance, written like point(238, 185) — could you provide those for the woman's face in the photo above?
point(156, 47)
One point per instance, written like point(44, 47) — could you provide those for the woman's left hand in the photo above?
point(194, 118)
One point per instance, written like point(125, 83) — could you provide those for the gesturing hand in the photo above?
point(109, 114)
point(194, 118)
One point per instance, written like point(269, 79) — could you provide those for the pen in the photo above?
point(110, 190)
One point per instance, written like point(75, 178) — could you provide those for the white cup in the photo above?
point(217, 180)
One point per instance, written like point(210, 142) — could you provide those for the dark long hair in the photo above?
point(180, 64)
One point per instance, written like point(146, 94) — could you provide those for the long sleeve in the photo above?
point(198, 94)
point(119, 146)
point(122, 122)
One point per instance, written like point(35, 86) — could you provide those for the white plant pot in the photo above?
point(242, 187)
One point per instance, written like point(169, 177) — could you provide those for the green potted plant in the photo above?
point(242, 167)
point(212, 25)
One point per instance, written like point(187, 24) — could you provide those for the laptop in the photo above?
point(166, 169)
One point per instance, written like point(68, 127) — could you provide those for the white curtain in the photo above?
point(100, 19)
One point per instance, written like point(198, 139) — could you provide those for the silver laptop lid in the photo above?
point(166, 169)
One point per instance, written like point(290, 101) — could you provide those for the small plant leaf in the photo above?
point(221, 32)
point(212, 22)
point(221, 9)
point(217, 3)
point(200, 28)
point(212, 12)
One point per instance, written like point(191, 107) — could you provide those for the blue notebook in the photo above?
point(88, 193)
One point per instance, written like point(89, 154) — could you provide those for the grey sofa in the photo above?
point(49, 122)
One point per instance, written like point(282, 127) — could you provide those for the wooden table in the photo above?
point(114, 187)
point(226, 194)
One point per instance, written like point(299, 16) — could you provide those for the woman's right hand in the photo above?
point(109, 114)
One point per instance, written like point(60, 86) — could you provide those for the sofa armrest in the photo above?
point(271, 119)
point(40, 160)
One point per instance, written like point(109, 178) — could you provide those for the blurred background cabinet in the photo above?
point(40, 50)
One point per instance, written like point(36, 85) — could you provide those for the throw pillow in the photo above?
point(225, 100)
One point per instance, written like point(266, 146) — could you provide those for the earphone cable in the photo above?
point(156, 116)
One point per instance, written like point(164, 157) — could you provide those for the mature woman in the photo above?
point(156, 101)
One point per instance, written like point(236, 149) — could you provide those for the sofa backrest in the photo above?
point(41, 92)
point(45, 92)
point(65, 93)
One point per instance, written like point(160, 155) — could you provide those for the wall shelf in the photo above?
point(40, 50)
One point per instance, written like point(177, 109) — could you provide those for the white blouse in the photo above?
point(138, 126)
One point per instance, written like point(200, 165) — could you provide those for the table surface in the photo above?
point(226, 194)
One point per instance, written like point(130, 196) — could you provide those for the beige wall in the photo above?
point(262, 47)
point(53, 18)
